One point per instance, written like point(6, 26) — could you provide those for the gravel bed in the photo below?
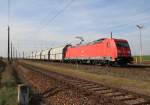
point(51, 92)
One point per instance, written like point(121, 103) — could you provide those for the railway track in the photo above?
point(121, 96)
point(142, 66)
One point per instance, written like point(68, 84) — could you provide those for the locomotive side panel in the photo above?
point(96, 51)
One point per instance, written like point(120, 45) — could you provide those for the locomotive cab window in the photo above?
point(122, 44)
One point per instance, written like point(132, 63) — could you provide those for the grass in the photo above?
point(119, 82)
point(8, 89)
point(145, 57)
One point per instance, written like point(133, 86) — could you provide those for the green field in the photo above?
point(146, 58)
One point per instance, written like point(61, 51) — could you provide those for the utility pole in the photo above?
point(23, 55)
point(16, 53)
point(11, 51)
point(8, 32)
point(19, 55)
point(8, 45)
point(32, 55)
point(140, 27)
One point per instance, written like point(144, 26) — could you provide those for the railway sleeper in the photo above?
point(135, 101)
point(118, 95)
point(143, 103)
point(85, 85)
point(90, 86)
point(104, 91)
point(98, 89)
point(75, 81)
point(79, 85)
point(127, 98)
point(114, 94)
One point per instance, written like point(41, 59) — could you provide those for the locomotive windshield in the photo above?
point(122, 44)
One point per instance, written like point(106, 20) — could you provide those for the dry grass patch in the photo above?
point(8, 89)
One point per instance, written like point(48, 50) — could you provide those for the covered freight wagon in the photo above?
point(58, 53)
point(38, 55)
point(45, 54)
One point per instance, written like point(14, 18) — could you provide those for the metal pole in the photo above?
point(11, 50)
point(141, 52)
point(19, 55)
point(16, 53)
point(111, 35)
point(8, 32)
point(140, 27)
point(8, 45)
point(23, 55)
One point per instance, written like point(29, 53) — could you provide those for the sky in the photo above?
point(41, 24)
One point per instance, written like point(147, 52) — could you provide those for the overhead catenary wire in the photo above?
point(133, 21)
point(59, 12)
point(40, 28)
point(52, 19)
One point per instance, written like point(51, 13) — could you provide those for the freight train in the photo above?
point(101, 51)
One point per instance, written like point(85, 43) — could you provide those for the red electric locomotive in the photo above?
point(106, 50)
